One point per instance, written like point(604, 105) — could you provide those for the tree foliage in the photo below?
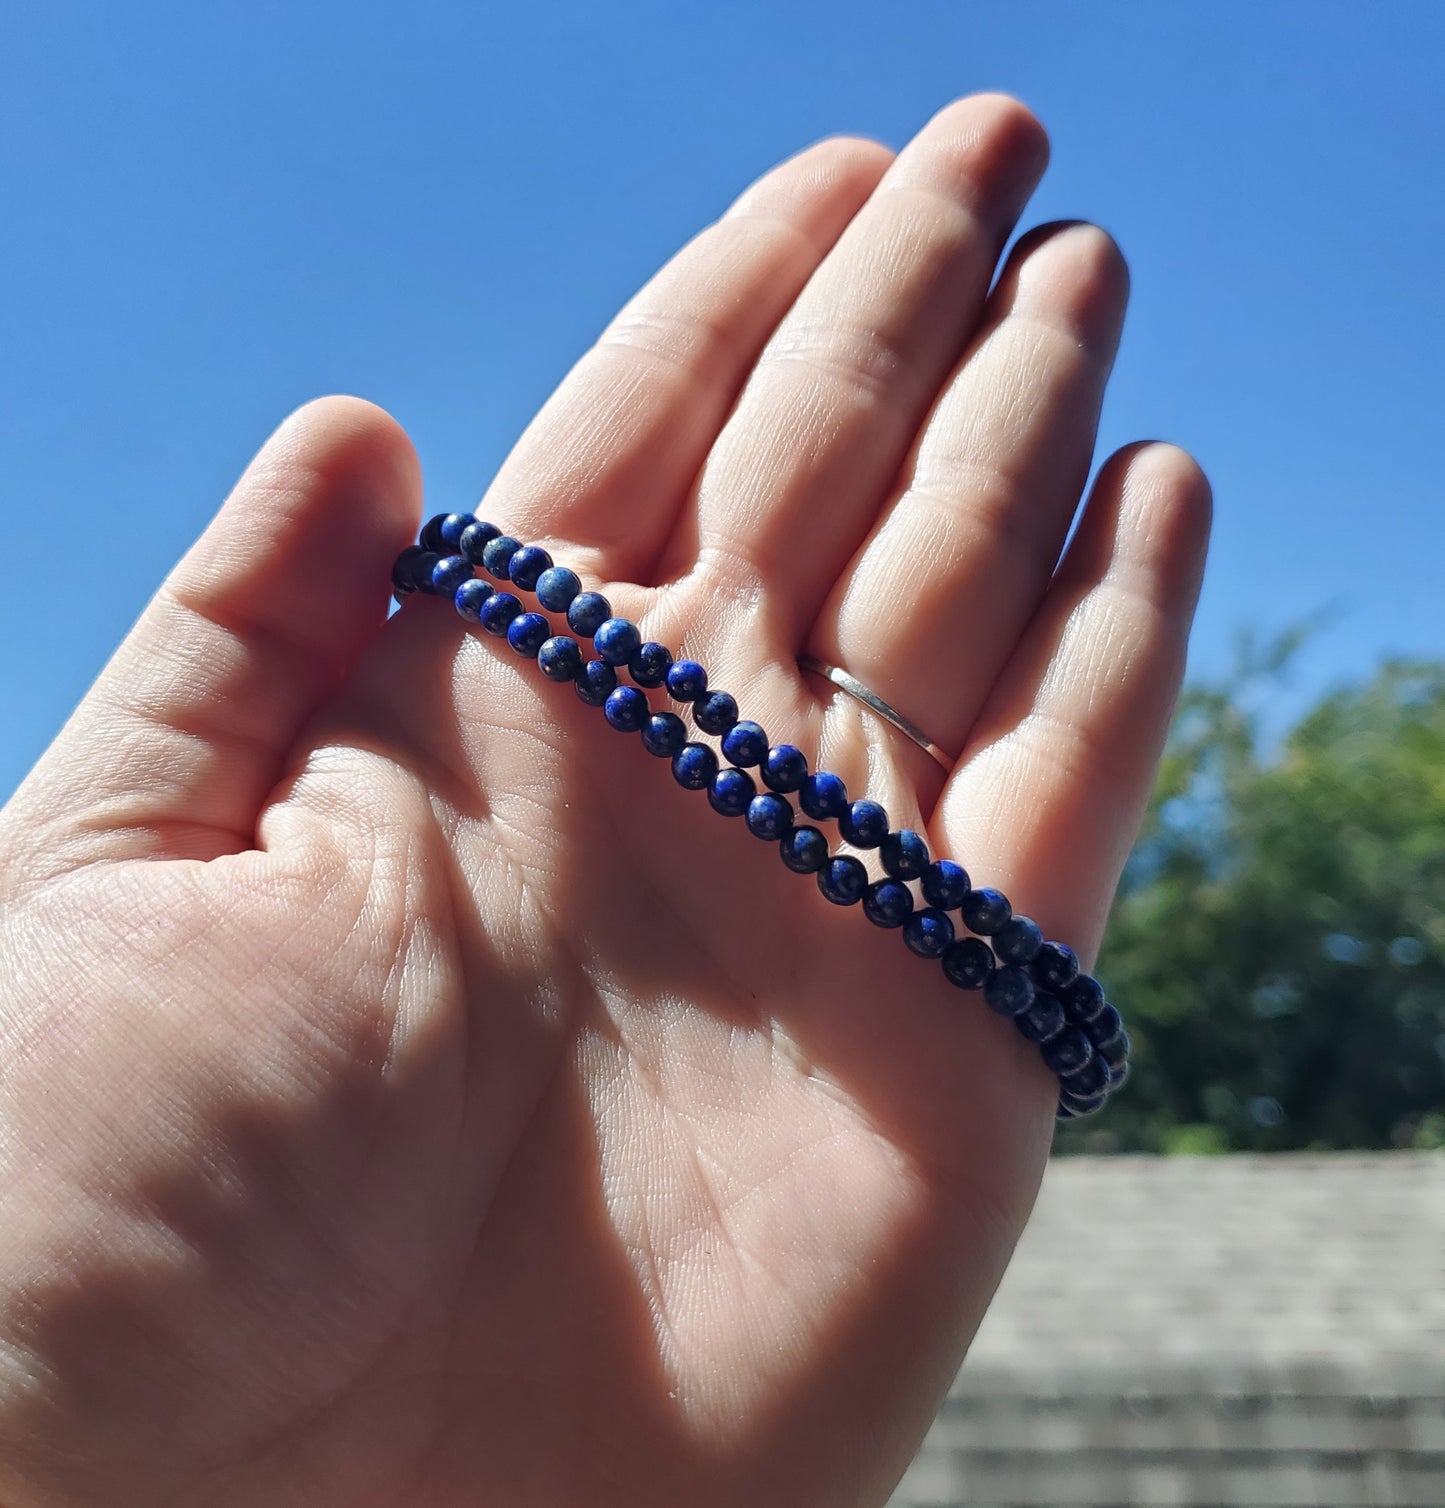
point(1278, 944)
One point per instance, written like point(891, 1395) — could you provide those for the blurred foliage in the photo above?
point(1278, 945)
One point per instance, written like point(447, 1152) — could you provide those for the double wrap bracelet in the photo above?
point(1035, 983)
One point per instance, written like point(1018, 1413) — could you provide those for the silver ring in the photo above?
point(870, 699)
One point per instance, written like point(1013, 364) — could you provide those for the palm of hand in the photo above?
point(498, 1124)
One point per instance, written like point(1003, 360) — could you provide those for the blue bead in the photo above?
point(663, 734)
point(448, 574)
point(863, 824)
point(470, 596)
point(1069, 1051)
point(560, 658)
point(1063, 1113)
point(1071, 1105)
point(769, 816)
point(1115, 1052)
point(422, 568)
point(904, 854)
point(985, 911)
point(498, 611)
point(804, 850)
point(843, 880)
point(475, 539)
point(587, 612)
point(745, 744)
point(715, 712)
point(1055, 967)
point(731, 792)
point(1043, 1020)
point(967, 962)
point(431, 534)
point(403, 571)
point(1083, 999)
point(1008, 990)
point(1091, 1078)
point(454, 525)
point(693, 767)
point(945, 884)
point(616, 641)
point(784, 769)
point(526, 566)
point(595, 682)
point(650, 663)
point(497, 555)
point(823, 796)
point(1118, 1074)
point(626, 709)
point(556, 587)
point(1018, 940)
point(928, 932)
point(686, 681)
point(528, 633)
point(886, 903)
point(1104, 1027)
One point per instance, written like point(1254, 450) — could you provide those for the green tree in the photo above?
point(1279, 938)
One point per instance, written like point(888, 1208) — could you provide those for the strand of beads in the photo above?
point(1034, 982)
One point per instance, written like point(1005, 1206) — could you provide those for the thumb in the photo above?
point(178, 743)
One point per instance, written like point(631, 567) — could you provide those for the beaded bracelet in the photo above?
point(1035, 983)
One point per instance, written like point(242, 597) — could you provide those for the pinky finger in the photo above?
point(1048, 796)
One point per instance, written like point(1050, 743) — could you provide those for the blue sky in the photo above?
point(213, 212)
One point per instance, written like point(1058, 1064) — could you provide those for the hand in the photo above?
point(408, 1094)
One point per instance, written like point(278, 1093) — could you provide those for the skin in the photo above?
point(408, 1095)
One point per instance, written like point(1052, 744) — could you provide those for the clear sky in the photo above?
point(210, 212)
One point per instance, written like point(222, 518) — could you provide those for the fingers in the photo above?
point(182, 737)
point(825, 420)
point(1050, 792)
point(605, 465)
point(954, 568)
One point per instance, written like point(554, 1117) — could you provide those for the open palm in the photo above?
point(409, 1094)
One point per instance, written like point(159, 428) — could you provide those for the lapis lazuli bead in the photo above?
point(498, 611)
point(448, 574)
point(904, 854)
point(587, 612)
point(470, 596)
point(1043, 1020)
point(1069, 1051)
point(864, 824)
point(1055, 966)
point(403, 571)
point(595, 682)
point(769, 816)
point(843, 880)
point(1083, 999)
point(1018, 940)
point(784, 768)
point(985, 911)
point(1115, 1052)
point(1090, 1078)
point(1072, 1105)
point(526, 566)
point(497, 555)
point(693, 767)
point(650, 663)
point(616, 640)
point(556, 587)
point(663, 734)
point(823, 796)
point(626, 709)
point(887, 903)
point(527, 633)
point(430, 537)
point(686, 681)
point(454, 525)
point(715, 712)
point(1063, 1112)
point(422, 568)
point(475, 538)
point(1008, 990)
point(731, 792)
point(945, 884)
point(1104, 1027)
point(1118, 1073)
point(804, 850)
point(745, 744)
point(560, 658)
point(967, 962)
point(928, 932)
